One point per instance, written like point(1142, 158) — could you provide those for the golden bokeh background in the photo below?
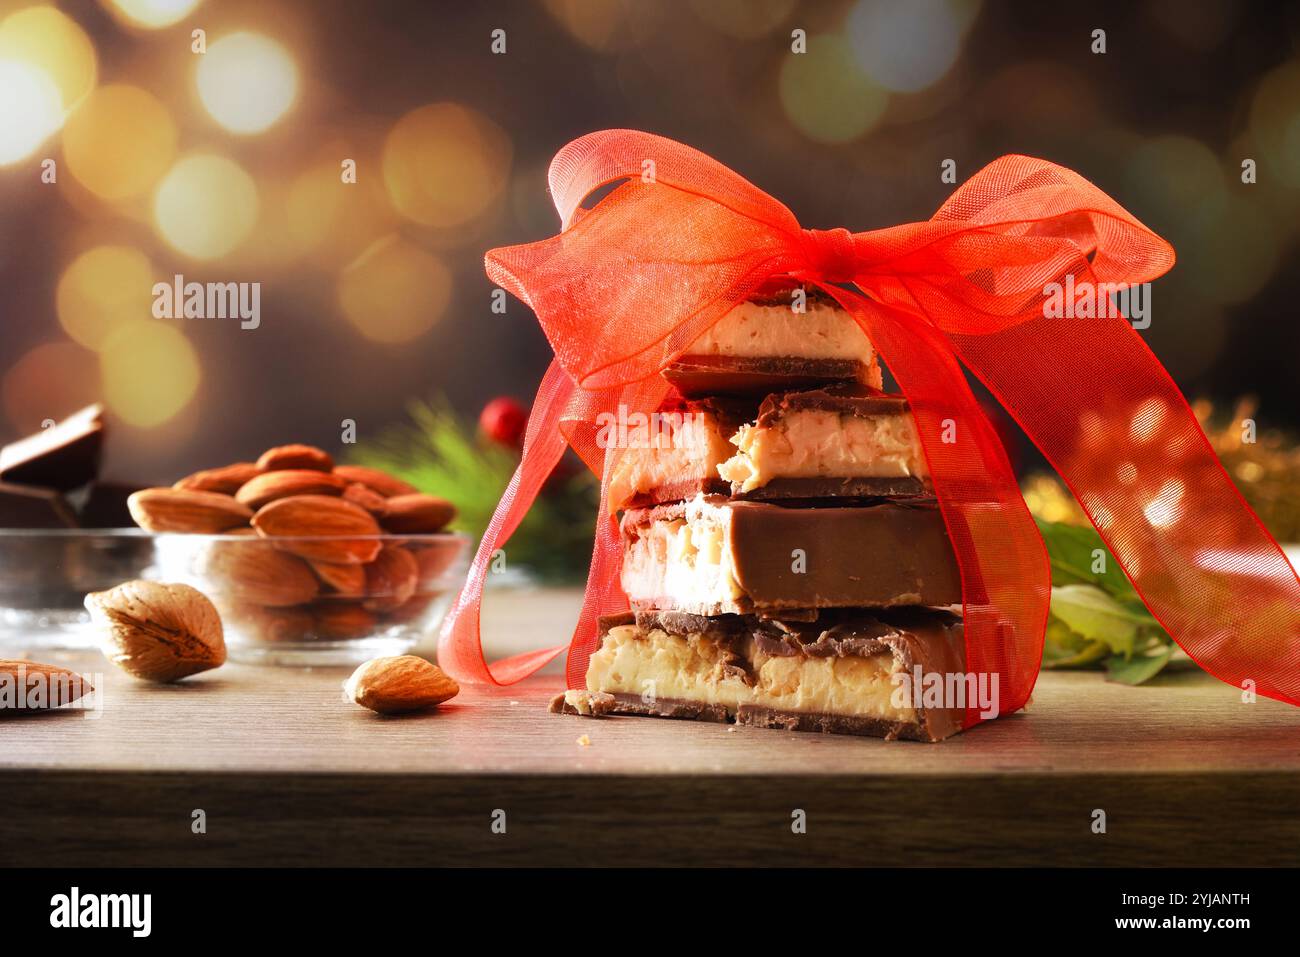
point(357, 159)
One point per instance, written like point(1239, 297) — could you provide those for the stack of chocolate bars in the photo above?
point(784, 557)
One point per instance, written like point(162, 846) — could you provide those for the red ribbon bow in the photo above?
point(630, 283)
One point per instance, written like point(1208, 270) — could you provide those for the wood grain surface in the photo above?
point(287, 772)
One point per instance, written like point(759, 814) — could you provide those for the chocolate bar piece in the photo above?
point(25, 507)
point(891, 674)
point(106, 505)
point(715, 556)
point(677, 454)
point(836, 442)
point(764, 345)
point(824, 442)
point(63, 457)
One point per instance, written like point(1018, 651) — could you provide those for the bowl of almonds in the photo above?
point(308, 562)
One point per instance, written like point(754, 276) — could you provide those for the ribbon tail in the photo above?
point(1006, 579)
point(460, 649)
point(1111, 421)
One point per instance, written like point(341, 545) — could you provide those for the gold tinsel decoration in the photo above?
point(1266, 470)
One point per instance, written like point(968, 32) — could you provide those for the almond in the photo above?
point(29, 686)
point(156, 631)
point(367, 498)
point(295, 457)
point(348, 581)
point(227, 480)
point(255, 571)
point(342, 621)
point(414, 514)
point(185, 510)
point(396, 685)
point(390, 579)
point(327, 522)
point(379, 482)
point(269, 624)
point(434, 559)
point(269, 486)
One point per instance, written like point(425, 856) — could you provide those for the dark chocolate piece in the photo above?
point(63, 457)
point(881, 555)
point(105, 505)
point(23, 506)
point(694, 376)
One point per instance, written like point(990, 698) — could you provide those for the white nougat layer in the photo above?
point(693, 667)
point(755, 330)
point(815, 443)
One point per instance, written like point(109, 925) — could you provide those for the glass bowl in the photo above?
point(319, 600)
point(45, 575)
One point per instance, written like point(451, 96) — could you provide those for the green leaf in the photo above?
point(1096, 616)
point(1135, 671)
point(1074, 552)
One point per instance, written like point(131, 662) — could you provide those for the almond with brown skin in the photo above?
point(390, 579)
point(227, 480)
point(433, 560)
point(346, 581)
point(156, 631)
point(341, 621)
point(327, 521)
point(416, 514)
point(295, 457)
point(185, 510)
point(253, 570)
point(27, 687)
point(380, 482)
point(400, 684)
point(367, 498)
point(282, 483)
point(269, 624)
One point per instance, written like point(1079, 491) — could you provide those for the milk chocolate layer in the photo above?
point(700, 375)
point(838, 673)
point(713, 556)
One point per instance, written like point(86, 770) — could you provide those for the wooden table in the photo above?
point(286, 772)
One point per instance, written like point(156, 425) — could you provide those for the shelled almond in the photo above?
point(298, 549)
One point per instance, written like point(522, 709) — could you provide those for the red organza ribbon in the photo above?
point(631, 282)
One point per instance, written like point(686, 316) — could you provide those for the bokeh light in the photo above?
point(1275, 121)
point(101, 288)
point(444, 164)
point(332, 219)
point(50, 40)
point(607, 25)
point(394, 291)
point(743, 19)
point(825, 93)
point(49, 382)
point(904, 47)
point(150, 372)
point(30, 109)
point(205, 206)
point(246, 81)
point(119, 142)
point(150, 14)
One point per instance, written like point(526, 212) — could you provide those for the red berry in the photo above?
point(503, 420)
